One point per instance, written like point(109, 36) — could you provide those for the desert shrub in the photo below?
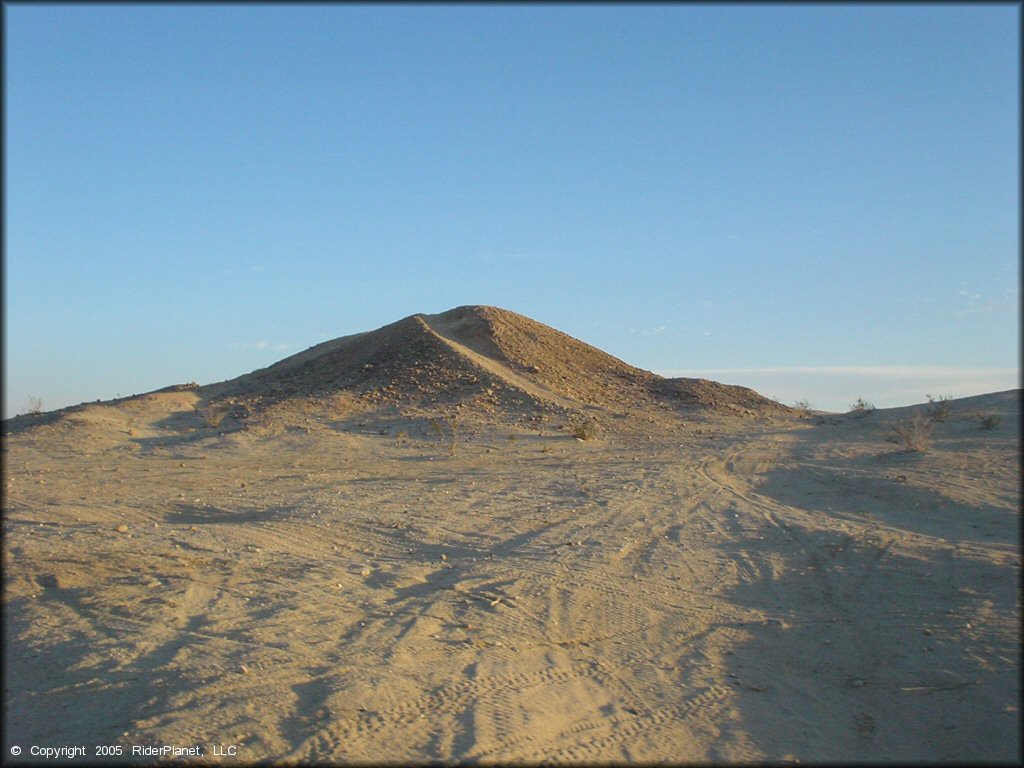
point(35, 406)
point(438, 426)
point(585, 430)
point(862, 407)
point(803, 408)
point(939, 407)
point(991, 421)
point(453, 424)
point(914, 433)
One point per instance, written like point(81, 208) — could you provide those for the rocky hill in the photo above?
point(472, 359)
point(480, 356)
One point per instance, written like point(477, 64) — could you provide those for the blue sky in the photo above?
point(820, 202)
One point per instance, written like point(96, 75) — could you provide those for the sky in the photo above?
point(817, 201)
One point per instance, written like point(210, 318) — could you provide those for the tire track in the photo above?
point(594, 740)
point(452, 699)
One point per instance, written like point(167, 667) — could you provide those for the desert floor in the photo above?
point(710, 589)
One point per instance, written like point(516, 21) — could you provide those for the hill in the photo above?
point(480, 356)
point(482, 361)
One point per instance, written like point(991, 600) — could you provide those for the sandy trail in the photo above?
point(731, 590)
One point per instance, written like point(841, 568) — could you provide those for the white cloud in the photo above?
point(970, 301)
point(650, 331)
point(835, 388)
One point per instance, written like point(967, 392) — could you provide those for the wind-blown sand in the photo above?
point(309, 564)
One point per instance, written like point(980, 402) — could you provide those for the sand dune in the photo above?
point(390, 547)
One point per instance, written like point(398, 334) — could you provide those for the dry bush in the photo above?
point(862, 407)
point(914, 433)
point(939, 407)
point(35, 406)
point(991, 421)
point(453, 425)
point(438, 429)
point(585, 430)
point(803, 408)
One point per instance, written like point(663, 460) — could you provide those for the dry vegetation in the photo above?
point(914, 433)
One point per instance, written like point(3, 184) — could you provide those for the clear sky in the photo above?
point(820, 202)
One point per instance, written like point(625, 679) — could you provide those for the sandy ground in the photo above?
point(721, 589)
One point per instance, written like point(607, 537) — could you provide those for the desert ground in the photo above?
point(386, 566)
